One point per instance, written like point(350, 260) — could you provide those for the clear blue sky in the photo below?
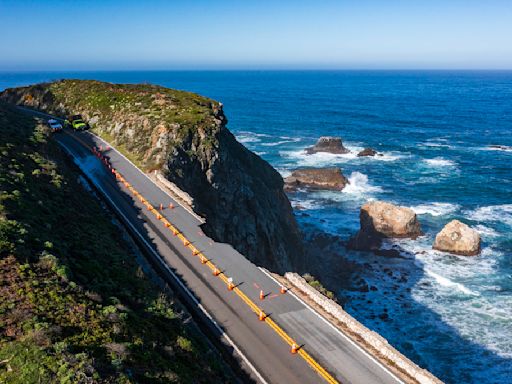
point(91, 35)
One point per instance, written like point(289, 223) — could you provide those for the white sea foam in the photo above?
point(359, 185)
point(440, 162)
point(245, 137)
point(492, 213)
point(319, 159)
point(281, 142)
point(501, 148)
point(445, 282)
point(305, 204)
point(284, 172)
point(486, 231)
point(435, 209)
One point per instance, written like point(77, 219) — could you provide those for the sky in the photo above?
point(244, 34)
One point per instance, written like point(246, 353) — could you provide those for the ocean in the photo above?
point(437, 131)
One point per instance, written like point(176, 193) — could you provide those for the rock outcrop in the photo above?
point(328, 144)
point(184, 135)
point(458, 238)
point(379, 220)
point(316, 178)
point(367, 152)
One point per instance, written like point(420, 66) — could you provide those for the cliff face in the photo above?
point(185, 136)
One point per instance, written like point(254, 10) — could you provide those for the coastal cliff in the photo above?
point(184, 136)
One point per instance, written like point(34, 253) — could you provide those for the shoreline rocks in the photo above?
point(458, 238)
point(316, 178)
point(380, 220)
point(367, 152)
point(328, 144)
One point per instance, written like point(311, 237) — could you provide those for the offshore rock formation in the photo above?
point(367, 152)
point(328, 144)
point(458, 238)
point(379, 220)
point(185, 136)
point(316, 178)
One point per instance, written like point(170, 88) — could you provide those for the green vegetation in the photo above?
point(318, 286)
point(144, 120)
point(75, 306)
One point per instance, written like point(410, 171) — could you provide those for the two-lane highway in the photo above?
point(260, 349)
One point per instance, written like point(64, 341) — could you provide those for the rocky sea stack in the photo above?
point(380, 220)
point(184, 135)
point(458, 238)
point(328, 144)
point(316, 178)
point(367, 152)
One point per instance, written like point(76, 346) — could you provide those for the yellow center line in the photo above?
point(271, 323)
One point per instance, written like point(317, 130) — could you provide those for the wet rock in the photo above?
point(328, 144)
point(379, 220)
point(458, 238)
point(367, 152)
point(316, 178)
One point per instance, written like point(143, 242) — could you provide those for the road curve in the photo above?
point(259, 348)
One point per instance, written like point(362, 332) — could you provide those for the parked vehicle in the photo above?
point(77, 122)
point(55, 125)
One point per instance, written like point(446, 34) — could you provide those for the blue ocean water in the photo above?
point(436, 131)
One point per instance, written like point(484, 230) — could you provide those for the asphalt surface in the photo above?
point(260, 350)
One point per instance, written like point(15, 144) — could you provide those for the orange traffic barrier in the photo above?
point(295, 348)
point(262, 296)
point(216, 271)
point(283, 289)
point(261, 316)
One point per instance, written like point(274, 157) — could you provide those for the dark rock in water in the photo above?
point(316, 178)
point(240, 195)
point(379, 220)
point(501, 147)
point(367, 152)
point(328, 144)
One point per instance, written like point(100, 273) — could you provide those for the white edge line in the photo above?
point(189, 293)
point(146, 176)
point(262, 269)
point(336, 329)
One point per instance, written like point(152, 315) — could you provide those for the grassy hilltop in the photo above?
point(75, 306)
point(146, 121)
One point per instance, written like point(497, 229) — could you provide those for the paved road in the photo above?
point(262, 351)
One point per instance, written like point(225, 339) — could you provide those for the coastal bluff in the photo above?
point(184, 136)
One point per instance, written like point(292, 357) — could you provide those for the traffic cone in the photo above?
point(195, 252)
point(171, 205)
point(161, 207)
point(203, 259)
point(262, 296)
point(283, 289)
point(216, 271)
point(231, 286)
point(261, 316)
point(295, 348)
